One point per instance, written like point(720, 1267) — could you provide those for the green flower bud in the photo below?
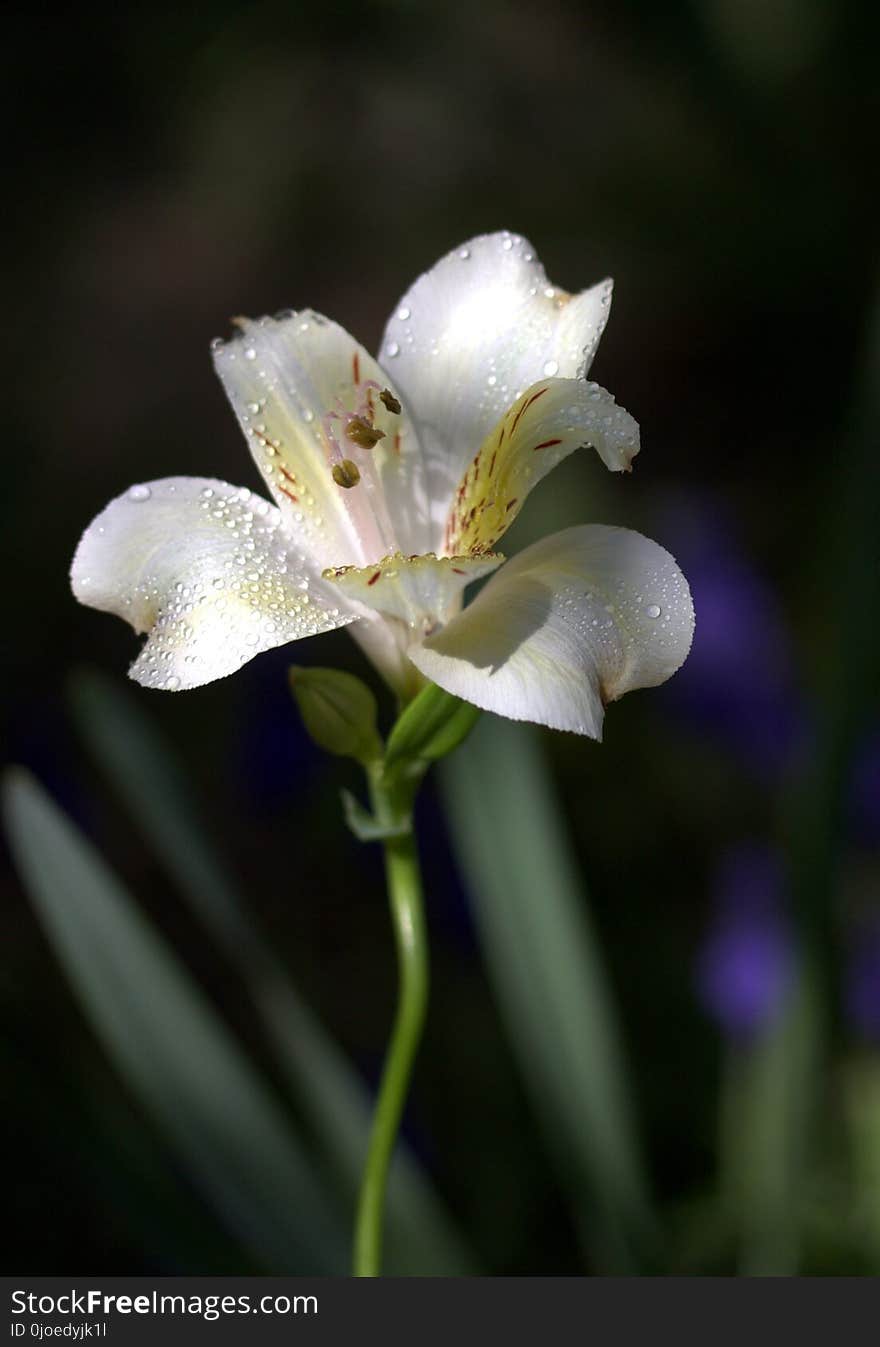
point(339, 712)
point(431, 726)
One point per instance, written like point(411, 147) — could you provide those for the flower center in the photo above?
point(350, 438)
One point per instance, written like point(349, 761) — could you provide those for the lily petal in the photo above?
point(420, 591)
point(470, 336)
point(283, 377)
point(573, 622)
point(205, 569)
point(547, 423)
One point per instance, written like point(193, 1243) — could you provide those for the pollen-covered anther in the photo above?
point(346, 473)
point(389, 401)
point(361, 433)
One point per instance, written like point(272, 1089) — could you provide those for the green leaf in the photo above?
point(547, 974)
point(861, 1093)
point(430, 727)
point(169, 1046)
point(421, 1239)
point(151, 785)
point(765, 1128)
point(339, 712)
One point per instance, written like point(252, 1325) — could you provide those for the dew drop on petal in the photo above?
point(139, 493)
point(403, 313)
point(551, 368)
point(654, 610)
point(392, 348)
point(250, 353)
point(464, 254)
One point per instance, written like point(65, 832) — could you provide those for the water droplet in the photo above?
point(250, 353)
point(139, 493)
point(172, 682)
point(491, 381)
point(253, 408)
point(403, 313)
point(654, 610)
point(208, 492)
point(464, 254)
point(392, 348)
point(507, 244)
point(550, 368)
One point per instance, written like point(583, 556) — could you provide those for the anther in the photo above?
point(361, 433)
point(387, 398)
point(346, 473)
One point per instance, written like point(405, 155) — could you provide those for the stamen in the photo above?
point(334, 452)
point(346, 473)
point(361, 433)
point(366, 508)
point(388, 400)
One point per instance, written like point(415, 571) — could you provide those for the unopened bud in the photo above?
point(339, 712)
point(431, 726)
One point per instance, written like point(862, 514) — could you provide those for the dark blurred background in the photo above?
point(168, 166)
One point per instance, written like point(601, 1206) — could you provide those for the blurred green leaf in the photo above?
point(421, 1238)
point(861, 1083)
point(767, 1116)
point(547, 973)
point(169, 1045)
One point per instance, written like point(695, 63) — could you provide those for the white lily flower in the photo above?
point(393, 484)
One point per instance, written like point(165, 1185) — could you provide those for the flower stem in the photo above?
point(407, 917)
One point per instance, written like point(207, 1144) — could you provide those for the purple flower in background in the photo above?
point(746, 959)
point(738, 685)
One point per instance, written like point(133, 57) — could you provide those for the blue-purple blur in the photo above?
point(745, 965)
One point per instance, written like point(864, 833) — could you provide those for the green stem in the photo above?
point(407, 916)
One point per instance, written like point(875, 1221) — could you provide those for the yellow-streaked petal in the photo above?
point(420, 591)
point(473, 333)
point(570, 624)
point(283, 376)
point(547, 423)
point(206, 570)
